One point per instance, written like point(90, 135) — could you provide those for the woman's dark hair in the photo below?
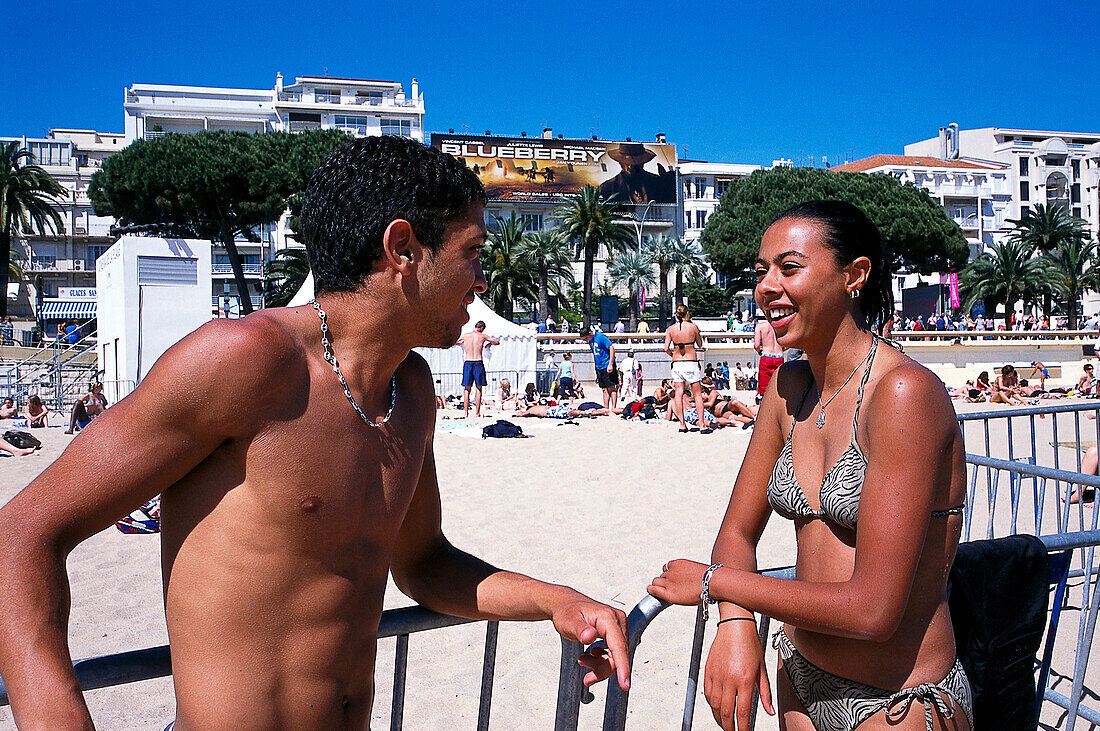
point(850, 234)
point(984, 376)
point(362, 187)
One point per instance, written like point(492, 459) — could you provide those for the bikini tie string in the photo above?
point(928, 695)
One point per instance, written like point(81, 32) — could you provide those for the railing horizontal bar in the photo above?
point(1005, 413)
point(1083, 711)
point(1049, 473)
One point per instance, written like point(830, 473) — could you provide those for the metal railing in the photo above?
point(156, 662)
point(52, 373)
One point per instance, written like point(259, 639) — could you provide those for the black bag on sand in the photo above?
point(503, 430)
point(998, 595)
point(21, 439)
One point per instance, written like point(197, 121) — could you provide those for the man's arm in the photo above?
point(757, 340)
point(610, 355)
point(491, 340)
point(186, 407)
point(432, 572)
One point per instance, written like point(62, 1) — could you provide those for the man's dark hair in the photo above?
point(480, 325)
point(362, 187)
point(585, 331)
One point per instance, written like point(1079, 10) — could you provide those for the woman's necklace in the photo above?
point(330, 357)
point(820, 423)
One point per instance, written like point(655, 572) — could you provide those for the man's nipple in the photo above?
point(310, 504)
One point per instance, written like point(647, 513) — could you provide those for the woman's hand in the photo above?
point(681, 582)
point(735, 667)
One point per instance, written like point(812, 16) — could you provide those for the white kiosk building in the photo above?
point(150, 293)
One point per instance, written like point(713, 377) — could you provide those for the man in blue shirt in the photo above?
point(603, 357)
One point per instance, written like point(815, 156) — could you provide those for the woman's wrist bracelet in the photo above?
point(704, 596)
point(736, 619)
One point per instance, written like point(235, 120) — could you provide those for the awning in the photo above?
point(71, 310)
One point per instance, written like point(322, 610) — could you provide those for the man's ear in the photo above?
point(400, 247)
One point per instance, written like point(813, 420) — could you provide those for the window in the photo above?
point(1075, 166)
point(354, 125)
point(531, 221)
point(1024, 166)
point(1024, 191)
point(700, 219)
point(81, 160)
point(700, 187)
point(720, 187)
point(402, 127)
point(91, 253)
point(326, 96)
point(1075, 193)
point(374, 98)
point(1077, 212)
point(687, 219)
point(1024, 210)
point(49, 153)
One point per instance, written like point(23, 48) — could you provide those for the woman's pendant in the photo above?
point(820, 418)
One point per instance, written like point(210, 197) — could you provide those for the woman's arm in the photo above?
point(909, 425)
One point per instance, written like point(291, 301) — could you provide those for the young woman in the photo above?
point(682, 343)
point(858, 446)
point(35, 413)
point(505, 398)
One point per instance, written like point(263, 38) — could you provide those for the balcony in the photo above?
point(300, 126)
point(154, 134)
point(254, 270)
point(359, 130)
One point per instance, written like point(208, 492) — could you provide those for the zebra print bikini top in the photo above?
point(842, 485)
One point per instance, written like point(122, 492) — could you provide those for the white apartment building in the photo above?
point(362, 107)
point(1043, 166)
point(976, 195)
point(702, 185)
point(64, 260)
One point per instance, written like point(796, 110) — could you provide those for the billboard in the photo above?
point(538, 169)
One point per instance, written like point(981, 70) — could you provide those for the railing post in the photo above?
point(570, 687)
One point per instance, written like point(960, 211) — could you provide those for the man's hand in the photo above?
point(680, 582)
point(610, 368)
point(584, 620)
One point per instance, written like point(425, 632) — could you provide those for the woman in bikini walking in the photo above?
point(867, 639)
point(682, 339)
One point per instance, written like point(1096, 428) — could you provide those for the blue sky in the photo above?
point(731, 81)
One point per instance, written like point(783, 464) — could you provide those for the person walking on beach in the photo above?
point(867, 640)
point(682, 343)
point(770, 352)
point(603, 359)
point(293, 452)
point(473, 365)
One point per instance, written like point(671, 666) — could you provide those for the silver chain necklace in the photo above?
point(330, 357)
point(820, 423)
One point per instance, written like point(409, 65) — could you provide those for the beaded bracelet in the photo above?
point(704, 596)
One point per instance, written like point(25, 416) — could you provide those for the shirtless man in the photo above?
point(473, 365)
point(682, 343)
point(276, 544)
point(8, 410)
point(770, 352)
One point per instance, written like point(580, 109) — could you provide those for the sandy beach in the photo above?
point(591, 505)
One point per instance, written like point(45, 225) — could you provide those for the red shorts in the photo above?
point(768, 365)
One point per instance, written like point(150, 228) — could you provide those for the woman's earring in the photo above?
point(854, 294)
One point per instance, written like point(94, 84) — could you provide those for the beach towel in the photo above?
point(144, 520)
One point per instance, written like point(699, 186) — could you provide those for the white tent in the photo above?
point(515, 358)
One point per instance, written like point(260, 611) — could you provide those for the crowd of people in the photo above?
point(34, 414)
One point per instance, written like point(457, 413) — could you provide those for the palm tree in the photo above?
point(662, 250)
point(593, 224)
point(633, 271)
point(284, 275)
point(1005, 274)
point(688, 261)
point(26, 194)
point(1071, 268)
point(510, 275)
point(1043, 228)
point(550, 255)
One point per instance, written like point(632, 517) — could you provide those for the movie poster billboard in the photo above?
point(538, 169)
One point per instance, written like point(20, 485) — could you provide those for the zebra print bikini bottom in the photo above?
point(838, 704)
